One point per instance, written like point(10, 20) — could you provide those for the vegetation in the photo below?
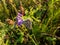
point(44, 28)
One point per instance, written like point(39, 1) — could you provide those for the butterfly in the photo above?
point(28, 24)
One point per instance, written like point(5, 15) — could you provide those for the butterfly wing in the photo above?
point(28, 24)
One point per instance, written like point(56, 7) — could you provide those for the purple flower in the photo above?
point(19, 19)
point(19, 14)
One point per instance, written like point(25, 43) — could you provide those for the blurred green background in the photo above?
point(45, 17)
